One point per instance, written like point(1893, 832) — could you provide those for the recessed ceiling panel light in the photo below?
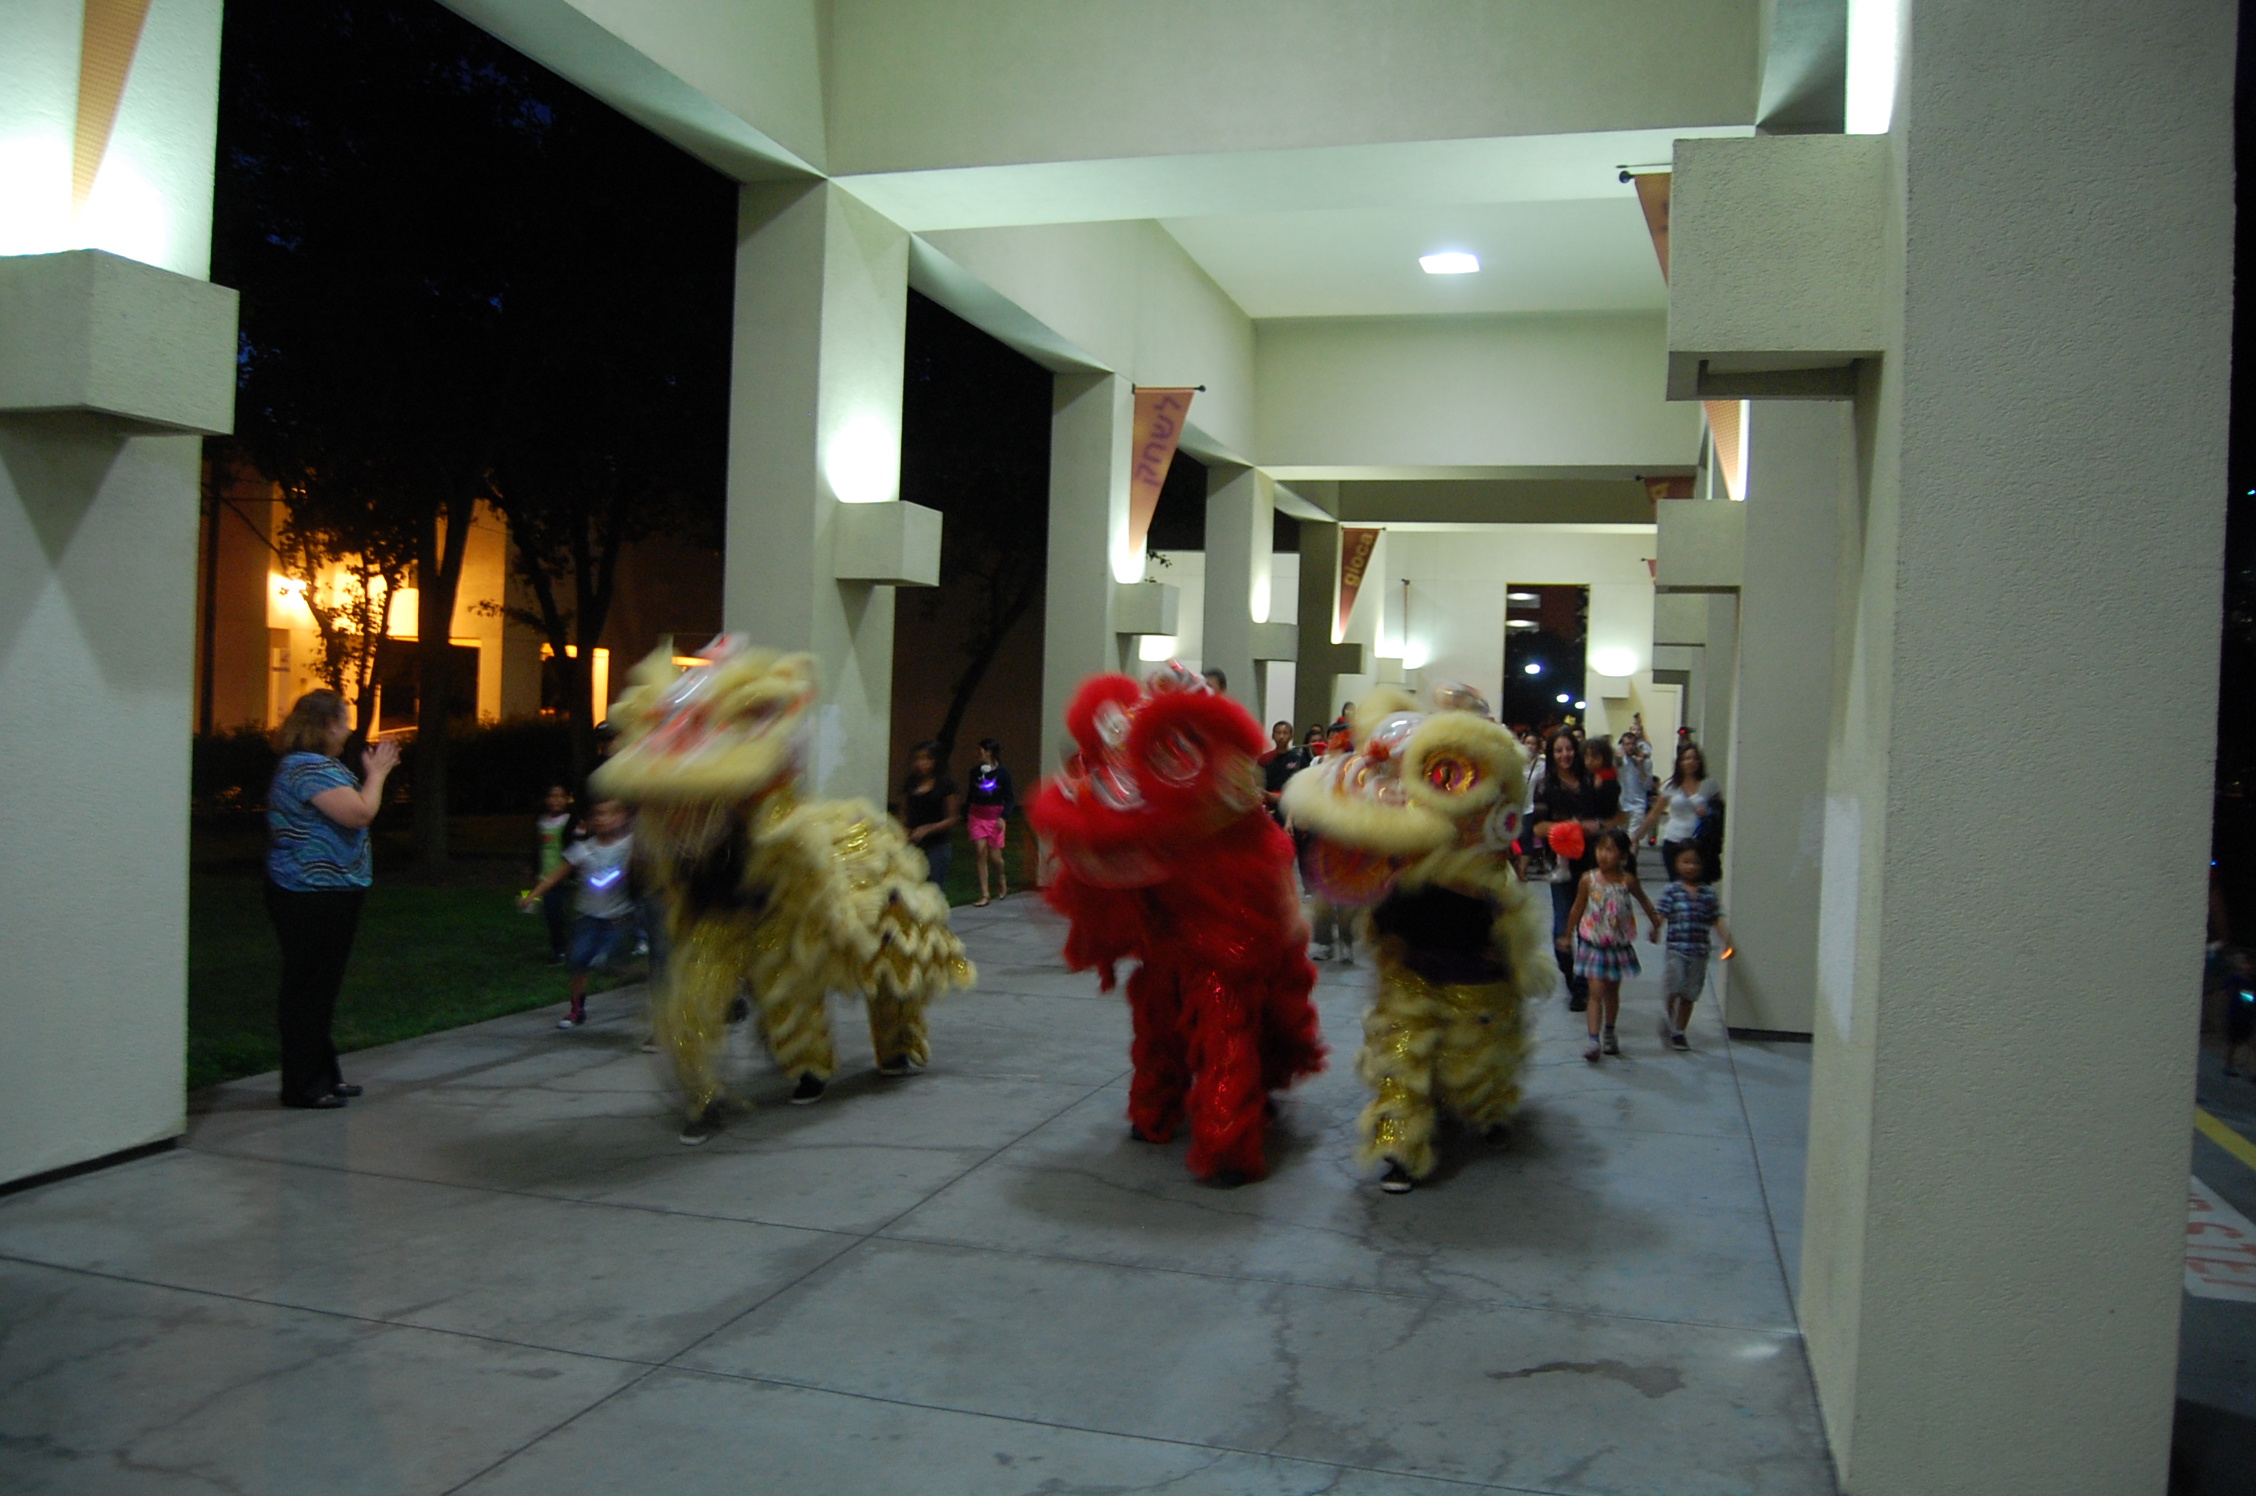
point(1449, 262)
point(1520, 623)
point(1523, 597)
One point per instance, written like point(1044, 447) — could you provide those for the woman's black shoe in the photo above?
point(346, 1089)
point(326, 1103)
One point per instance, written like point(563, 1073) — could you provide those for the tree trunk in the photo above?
point(983, 655)
point(438, 575)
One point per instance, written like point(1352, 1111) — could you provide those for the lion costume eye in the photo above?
point(1177, 759)
point(1451, 774)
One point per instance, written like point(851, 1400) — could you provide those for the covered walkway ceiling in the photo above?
point(1293, 159)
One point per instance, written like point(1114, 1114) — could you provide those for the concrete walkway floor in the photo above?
point(499, 1272)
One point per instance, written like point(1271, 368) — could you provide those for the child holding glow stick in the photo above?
point(604, 922)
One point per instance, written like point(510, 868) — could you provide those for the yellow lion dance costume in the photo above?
point(798, 898)
point(1416, 826)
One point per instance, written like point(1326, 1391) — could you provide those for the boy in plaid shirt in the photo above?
point(1690, 910)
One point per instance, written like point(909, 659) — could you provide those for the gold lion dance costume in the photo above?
point(797, 898)
point(1165, 857)
point(1415, 825)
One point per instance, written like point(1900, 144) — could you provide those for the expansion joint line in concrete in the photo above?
point(1102, 1433)
point(857, 1239)
point(1778, 1250)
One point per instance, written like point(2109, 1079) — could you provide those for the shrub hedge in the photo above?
point(492, 767)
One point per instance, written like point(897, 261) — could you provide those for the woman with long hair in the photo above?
point(1570, 794)
point(1683, 802)
point(317, 874)
point(930, 807)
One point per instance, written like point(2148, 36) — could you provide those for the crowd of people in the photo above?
point(1575, 815)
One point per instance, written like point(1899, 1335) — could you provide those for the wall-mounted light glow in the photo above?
point(286, 603)
point(1449, 262)
point(1521, 623)
point(1533, 667)
point(1875, 35)
point(1564, 698)
point(126, 215)
point(863, 461)
point(1523, 597)
point(1259, 601)
point(1415, 656)
point(35, 183)
point(1152, 648)
point(1615, 661)
point(1580, 705)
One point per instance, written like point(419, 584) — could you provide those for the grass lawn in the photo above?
point(429, 956)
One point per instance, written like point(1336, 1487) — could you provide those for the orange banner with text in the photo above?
point(1158, 426)
point(1356, 547)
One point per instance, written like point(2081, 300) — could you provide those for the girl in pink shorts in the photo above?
point(988, 808)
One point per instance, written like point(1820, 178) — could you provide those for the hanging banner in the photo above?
point(1158, 426)
point(1653, 189)
point(1730, 443)
point(1355, 559)
point(1653, 197)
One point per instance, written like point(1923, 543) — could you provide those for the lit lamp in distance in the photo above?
point(1449, 262)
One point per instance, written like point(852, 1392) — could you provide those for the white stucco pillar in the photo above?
point(115, 352)
point(815, 424)
point(1994, 1236)
point(1089, 433)
point(1315, 673)
point(1801, 476)
point(1240, 510)
point(1718, 684)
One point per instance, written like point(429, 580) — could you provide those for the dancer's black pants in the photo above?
point(315, 928)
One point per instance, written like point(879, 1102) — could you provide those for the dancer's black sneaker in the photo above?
point(1611, 1044)
point(809, 1090)
point(1396, 1180)
point(704, 1129)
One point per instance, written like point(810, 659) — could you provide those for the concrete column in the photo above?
point(815, 421)
point(1090, 422)
point(1801, 476)
point(1995, 1225)
point(1313, 675)
point(1240, 510)
point(118, 354)
point(1718, 685)
point(97, 654)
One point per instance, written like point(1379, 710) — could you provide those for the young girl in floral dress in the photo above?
point(1605, 936)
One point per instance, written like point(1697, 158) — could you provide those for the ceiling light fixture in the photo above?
point(1449, 262)
point(1533, 667)
point(1523, 597)
point(1520, 623)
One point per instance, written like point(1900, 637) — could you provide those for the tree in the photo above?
point(350, 556)
point(614, 414)
point(975, 446)
point(394, 205)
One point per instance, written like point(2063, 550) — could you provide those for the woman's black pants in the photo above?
point(315, 927)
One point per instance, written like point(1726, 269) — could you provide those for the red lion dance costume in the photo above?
point(1165, 857)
